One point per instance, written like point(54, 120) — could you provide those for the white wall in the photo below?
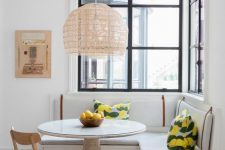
point(1, 84)
point(26, 101)
point(215, 68)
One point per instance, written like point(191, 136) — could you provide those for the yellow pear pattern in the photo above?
point(119, 111)
point(183, 133)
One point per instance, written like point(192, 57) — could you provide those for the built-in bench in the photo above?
point(152, 109)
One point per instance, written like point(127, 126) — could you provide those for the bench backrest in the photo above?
point(148, 108)
point(202, 116)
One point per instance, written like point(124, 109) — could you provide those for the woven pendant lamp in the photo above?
point(95, 29)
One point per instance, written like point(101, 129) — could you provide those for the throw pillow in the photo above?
point(118, 111)
point(183, 133)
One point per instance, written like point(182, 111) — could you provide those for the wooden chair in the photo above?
point(25, 139)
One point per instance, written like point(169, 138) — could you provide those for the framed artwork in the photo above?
point(33, 54)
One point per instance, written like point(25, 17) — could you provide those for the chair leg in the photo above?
point(34, 146)
point(13, 141)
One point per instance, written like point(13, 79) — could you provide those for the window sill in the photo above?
point(196, 94)
point(199, 97)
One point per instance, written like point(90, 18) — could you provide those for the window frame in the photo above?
point(130, 48)
point(198, 46)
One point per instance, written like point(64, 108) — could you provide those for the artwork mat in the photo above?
point(19, 35)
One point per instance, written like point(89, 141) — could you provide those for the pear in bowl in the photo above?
point(89, 119)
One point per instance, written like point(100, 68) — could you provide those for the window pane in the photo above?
point(123, 13)
point(194, 70)
point(202, 45)
point(157, 2)
point(194, 23)
point(202, 23)
point(111, 2)
point(151, 69)
point(156, 27)
point(155, 69)
point(107, 72)
point(202, 76)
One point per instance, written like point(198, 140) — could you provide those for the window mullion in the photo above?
point(129, 81)
point(189, 44)
point(180, 46)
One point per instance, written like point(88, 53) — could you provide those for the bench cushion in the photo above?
point(118, 111)
point(152, 141)
point(146, 141)
point(183, 132)
point(202, 116)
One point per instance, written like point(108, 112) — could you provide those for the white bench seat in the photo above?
point(146, 141)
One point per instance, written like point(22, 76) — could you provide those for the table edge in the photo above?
point(90, 136)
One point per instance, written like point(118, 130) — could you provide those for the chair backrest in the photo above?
point(25, 139)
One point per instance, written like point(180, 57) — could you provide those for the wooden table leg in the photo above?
point(92, 144)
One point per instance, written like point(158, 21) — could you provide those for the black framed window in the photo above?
point(196, 43)
point(153, 59)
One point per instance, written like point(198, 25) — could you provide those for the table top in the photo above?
point(72, 128)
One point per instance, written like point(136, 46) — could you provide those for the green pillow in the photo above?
point(119, 111)
point(183, 133)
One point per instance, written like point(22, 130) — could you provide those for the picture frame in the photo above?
point(33, 53)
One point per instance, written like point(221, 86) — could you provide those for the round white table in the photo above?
point(72, 128)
